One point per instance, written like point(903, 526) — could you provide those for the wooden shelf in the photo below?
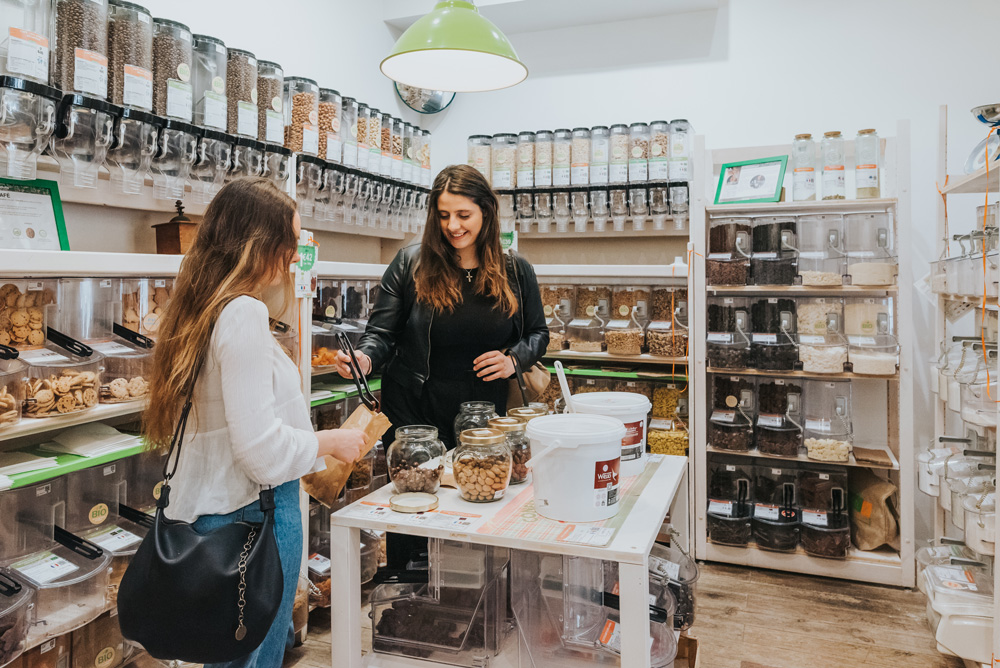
point(798, 374)
point(608, 357)
point(802, 290)
point(880, 566)
point(32, 426)
point(975, 183)
point(802, 458)
point(818, 207)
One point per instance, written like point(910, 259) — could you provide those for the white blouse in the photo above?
point(249, 423)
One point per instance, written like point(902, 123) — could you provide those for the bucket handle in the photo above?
point(555, 445)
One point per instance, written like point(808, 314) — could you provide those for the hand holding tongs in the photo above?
point(364, 391)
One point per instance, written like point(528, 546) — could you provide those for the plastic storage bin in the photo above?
point(826, 534)
point(779, 420)
point(870, 243)
point(730, 426)
point(960, 611)
point(775, 258)
point(100, 643)
point(829, 433)
point(143, 303)
point(36, 508)
point(15, 616)
point(729, 251)
point(980, 522)
point(774, 342)
point(28, 309)
point(728, 338)
point(776, 514)
point(60, 382)
point(822, 256)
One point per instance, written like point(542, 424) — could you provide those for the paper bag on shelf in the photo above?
point(325, 486)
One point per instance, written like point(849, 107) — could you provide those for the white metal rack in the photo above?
point(895, 392)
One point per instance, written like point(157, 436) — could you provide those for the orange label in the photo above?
point(804, 169)
point(139, 72)
point(866, 509)
point(29, 36)
point(836, 168)
point(92, 56)
point(867, 166)
point(607, 632)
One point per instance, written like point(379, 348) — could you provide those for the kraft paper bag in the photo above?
point(325, 486)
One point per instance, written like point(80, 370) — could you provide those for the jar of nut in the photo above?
point(270, 101)
point(415, 459)
point(482, 465)
point(301, 105)
point(130, 55)
point(520, 447)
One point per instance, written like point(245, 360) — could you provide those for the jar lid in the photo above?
point(508, 424)
point(481, 437)
point(525, 133)
point(581, 130)
point(616, 404)
point(504, 135)
point(208, 38)
point(360, 104)
point(475, 136)
point(172, 24)
point(413, 502)
point(328, 91)
point(302, 80)
point(543, 132)
point(348, 99)
point(241, 52)
point(660, 123)
point(565, 131)
point(598, 127)
point(129, 5)
point(867, 131)
point(619, 127)
point(417, 431)
point(527, 413)
point(269, 63)
point(373, 111)
point(832, 133)
point(679, 120)
point(639, 124)
point(804, 136)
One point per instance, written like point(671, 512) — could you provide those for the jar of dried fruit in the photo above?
point(415, 459)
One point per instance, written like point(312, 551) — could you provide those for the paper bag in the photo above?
point(874, 514)
point(325, 486)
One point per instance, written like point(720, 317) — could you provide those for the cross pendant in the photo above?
point(468, 276)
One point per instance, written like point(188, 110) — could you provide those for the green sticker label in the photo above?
point(307, 257)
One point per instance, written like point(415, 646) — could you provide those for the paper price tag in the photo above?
point(770, 420)
point(724, 508)
point(319, 564)
point(816, 518)
point(766, 512)
point(114, 539)
point(45, 567)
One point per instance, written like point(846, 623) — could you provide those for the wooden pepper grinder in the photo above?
point(175, 236)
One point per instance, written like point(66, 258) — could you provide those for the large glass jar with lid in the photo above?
point(415, 459)
point(618, 155)
point(172, 66)
point(834, 186)
point(78, 61)
point(270, 100)
point(803, 168)
point(562, 157)
point(209, 80)
point(580, 157)
point(526, 159)
point(600, 148)
point(130, 55)
point(520, 447)
point(425, 159)
point(473, 415)
point(25, 40)
point(504, 159)
point(543, 158)
point(659, 151)
point(638, 153)
point(867, 149)
point(411, 137)
point(482, 465)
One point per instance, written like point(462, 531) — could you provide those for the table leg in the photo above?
point(633, 589)
point(345, 596)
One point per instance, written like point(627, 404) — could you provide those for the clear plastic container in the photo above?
point(374, 136)
point(482, 464)
point(832, 149)
point(668, 401)
point(78, 61)
point(823, 353)
point(60, 382)
point(580, 152)
point(100, 643)
point(867, 151)
point(127, 369)
point(330, 146)
point(803, 168)
point(638, 153)
point(22, 141)
point(329, 299)
point(12, 388)
point(277, 164)
point(776, 517)
point(177, 151)
point(829, 434)
point(561, 210)
point(301, 108)
point(385, 164)
point(208, 173)
point(359, 482)
point(361, 132)
point(130, 55)
point(132, 150)
point(779, 418)
point(415, 459)
point(729, 251)
point(730, 425)
point(92, 497)
point(397, 148)
point(729, 522)
point(681, 150)
point(826, 535)
point(25, 36)
point(728, 338)
point(520, 447)
point(659, 151)
point(823, 488)
point(543, 158)
point(15, 616)
point(562, 157)
point(814, 316)
point(308, 178)
point(479, 154)
point(874, 355)
point(172, 60)
point(349, 131)
point(580, 206)
point(638, 207)
point(626, 297)
point(624, 337)
point(247, 159)
point(599, 208)
point(774, 260)
point(241, 93)
point(822, 256)
point(871, 253)
point(868, 316)
point(209, 81)
point(270, 102)
point(600, 149)
point(425, 159)
point(962, 487)
point(618, 154)
point(330, 416)
point(411, 139)
point(504, 161)
point(83, 135)
point(37, 508)
point(143, 303)
point(980, 523)
point(28, 313)
point(525, 177)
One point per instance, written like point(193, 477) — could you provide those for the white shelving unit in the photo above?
point(894, 392)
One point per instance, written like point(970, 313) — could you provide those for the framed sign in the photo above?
point(752, 181)
point(31, 216)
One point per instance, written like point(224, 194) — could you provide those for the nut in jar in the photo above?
point(482, 465)
point(520, 447)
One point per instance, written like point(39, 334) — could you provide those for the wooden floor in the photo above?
point(750, 618)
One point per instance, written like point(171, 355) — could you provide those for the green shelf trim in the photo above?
point(68, 464)
point(374, 383)
point(628, 375)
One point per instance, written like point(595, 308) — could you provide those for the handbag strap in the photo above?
point(519, 375)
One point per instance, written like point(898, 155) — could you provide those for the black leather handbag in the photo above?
point(201, 597)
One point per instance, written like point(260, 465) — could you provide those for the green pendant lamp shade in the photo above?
point(454, 48)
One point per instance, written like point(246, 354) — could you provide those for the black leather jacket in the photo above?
point(398, 334)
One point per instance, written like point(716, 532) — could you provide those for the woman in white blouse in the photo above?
point(250, 425)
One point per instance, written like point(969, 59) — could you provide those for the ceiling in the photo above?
point(523, 16)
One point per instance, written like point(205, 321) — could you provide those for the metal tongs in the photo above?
point(364, 391)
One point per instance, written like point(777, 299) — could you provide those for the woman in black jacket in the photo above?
point(453, 312)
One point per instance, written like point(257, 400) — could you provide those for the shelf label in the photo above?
point(319, 564)
point(765, 420)
point(44, 568)
point(724, 508)
point(765, 338)
point(113, 539)
point(28, 53)
point(720, 337)
point(861, 340)
point(724, 416)
point(818, 424)
point(816, 518)
point(811, 339)
point(767, 512)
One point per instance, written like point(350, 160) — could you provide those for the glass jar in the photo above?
point(349, 123)
point(729, 251)
point(525, 159)
point(619, 154)
point(83, 135)
point(301, 106)
point(79, 58)
point(520, 447)
point(829, 435)
point(580, 157)
point(482, 465)
point(172, 63)
point(132, 150)
point(178, 148)
point(600, 147)
point(867, 149)
point(803, 168)
point(478, 151)
point(870, 245)
point(562, 157)
point(270, 102)
point(130, 55)
point(474, 415)
point(638, 153)
point(24, 40)
point(241, 93)
point(659, 151)
point(385, 143)
point(504, 160)
point(415, 460)
point(328, 115)
point(543, 158)
point(833, 165)
point(822, 256)
point(728, 338)
point(681, 150)
point(397, 149)
point(209, 78)
point(277, 165)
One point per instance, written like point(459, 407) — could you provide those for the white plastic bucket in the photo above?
point(632, 410)
point(576, 466)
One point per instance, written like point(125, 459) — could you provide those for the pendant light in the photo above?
point(454, 48)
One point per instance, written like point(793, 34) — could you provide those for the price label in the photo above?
point(724, 416)
point(319, 564)
point(113, 539)
point(770, 420)
point(45, 567)
point(766, 512)
point(724, 508)
point(720, 337)
point(816, 518)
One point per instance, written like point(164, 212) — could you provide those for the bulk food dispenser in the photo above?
point(822, 257)
point(729, 250)
point(774, 342)
point(730, 426)
point(177, 151)
point(143, 302)
point(776, 513)
point(871, 253)
point(211, 165)
point(278, 165)
point(132, 149)
point(84, 133)
point(825, 529)
point(557, 303)
point(869, 325)
point(774, 259)
point(728, 338)
point(829, 433)
point(12, 376)
point(585, 333)
point(25, 34)
point(779, 420)
point(730, 500)
point(29, 121)
point(667, 332)
point(15, 616)
point(247, 159)
point(26, 310)
point(822, 343)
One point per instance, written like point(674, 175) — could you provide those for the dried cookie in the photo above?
point(44, 396)
point(4, 338)
point(64, 384)
point(19, 318)
point(86, 378)
point(138, 387)
point(36, 337)
point(11, 298)
point(20, 333)
point(66, 404)
point(89, 397)
point(119, 388)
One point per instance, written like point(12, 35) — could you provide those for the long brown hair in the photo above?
point(245, 241)
point(438, 275)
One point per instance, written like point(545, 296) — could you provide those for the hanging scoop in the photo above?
point(564, 386)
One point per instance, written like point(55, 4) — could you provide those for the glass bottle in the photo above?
point(482, 465)
point(415, 459)
point(599, 151)
point(526, 159)
point(866, 157)
point(562, 157)
point(833, 166)
point(543, 158)
point(618, 156)
point(803, 168)
point(580, 157)
point(659, 151)
point(681, 135)
point(638, 145)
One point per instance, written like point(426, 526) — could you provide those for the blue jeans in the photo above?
point(288, 533)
